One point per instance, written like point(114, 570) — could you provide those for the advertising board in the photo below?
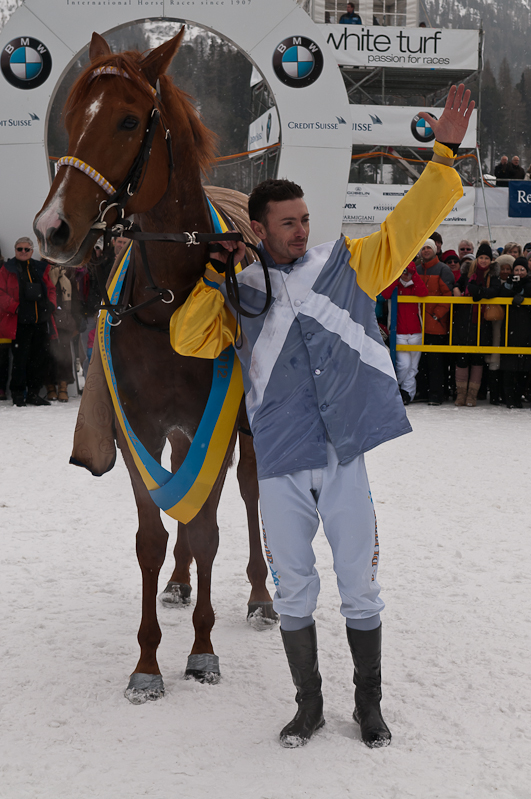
point(370, 203)
point(406, 48)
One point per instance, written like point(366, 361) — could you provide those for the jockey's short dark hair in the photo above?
point(271, 191)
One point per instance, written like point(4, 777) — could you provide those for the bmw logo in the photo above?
point(26, 63)
point(421, 129)
point(298, 62)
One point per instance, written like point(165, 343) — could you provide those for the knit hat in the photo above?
point(484, 249)
point(430, 243)
point(527, 246)
point(449, 254)
point(467, 257)
point(505, 259)
point(520, 261)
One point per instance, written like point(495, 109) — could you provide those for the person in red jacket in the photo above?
point(433, 368)
point(27, 299)
point(408, 329)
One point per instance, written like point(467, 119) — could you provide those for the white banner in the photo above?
point(370, 203)
point(410, 48)
point(264, 131)
point(399, 125)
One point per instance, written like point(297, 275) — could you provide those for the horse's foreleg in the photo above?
point(178, 591)
point(260, 611)
point(151, 540)
point(203, 533)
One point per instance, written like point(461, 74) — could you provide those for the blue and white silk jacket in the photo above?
point(314, 366)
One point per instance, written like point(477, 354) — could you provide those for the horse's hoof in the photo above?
point(203, 668)
point(261, 616)
point(175, 595)
point(144, 688)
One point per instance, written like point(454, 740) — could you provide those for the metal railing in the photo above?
point(450, 347)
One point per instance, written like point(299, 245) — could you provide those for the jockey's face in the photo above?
point(285, 230)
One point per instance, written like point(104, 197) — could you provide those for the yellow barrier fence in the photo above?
point(450, 347)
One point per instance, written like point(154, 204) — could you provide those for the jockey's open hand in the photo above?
point(452, 126)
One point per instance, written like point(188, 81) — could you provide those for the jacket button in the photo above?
point(297, 303)
point(309, 336)
point(324, 407)
point(317, 372)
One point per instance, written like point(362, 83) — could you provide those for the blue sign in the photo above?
point(520, 198)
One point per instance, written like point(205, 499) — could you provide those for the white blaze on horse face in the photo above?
point(51, 218)
point(90, 113)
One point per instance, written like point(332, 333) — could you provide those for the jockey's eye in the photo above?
point(129, 123)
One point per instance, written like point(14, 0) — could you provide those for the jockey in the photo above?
point(320, 392)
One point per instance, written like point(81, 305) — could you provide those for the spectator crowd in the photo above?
point(47, 324)
point(464, 376)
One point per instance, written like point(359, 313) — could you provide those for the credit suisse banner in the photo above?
point(398, 125)
point(407, 48)
point(369, 203)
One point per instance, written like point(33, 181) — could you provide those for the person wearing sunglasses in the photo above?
point(465, 248)
point(27, 299)
point(451, 259)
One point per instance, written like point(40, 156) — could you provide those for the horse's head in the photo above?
point(107, 114)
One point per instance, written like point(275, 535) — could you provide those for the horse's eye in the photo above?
point(129, 123)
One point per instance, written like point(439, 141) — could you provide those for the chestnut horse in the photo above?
point(162, 393)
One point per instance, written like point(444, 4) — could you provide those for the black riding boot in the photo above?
point(301, 651)
point(366, 648)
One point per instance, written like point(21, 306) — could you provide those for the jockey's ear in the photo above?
point(98, 47)
point(157, 61)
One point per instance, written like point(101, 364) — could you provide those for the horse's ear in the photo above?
point(157, 61)
point(98, 47)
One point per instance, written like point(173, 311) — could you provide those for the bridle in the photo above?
point(118, 199)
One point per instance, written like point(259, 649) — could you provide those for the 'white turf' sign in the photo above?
point(44, 37)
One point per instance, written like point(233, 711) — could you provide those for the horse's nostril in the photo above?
point(60, 235)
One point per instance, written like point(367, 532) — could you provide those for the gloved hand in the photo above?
point(518, 299)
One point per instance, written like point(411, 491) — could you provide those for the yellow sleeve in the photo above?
point(379, 259)
point(202, 327)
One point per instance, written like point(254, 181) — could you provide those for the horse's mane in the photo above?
point(204, 139)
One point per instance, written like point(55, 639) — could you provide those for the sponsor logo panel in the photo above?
point(298, 62)
point(26, 62)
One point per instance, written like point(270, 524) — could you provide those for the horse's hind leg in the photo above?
point(178, 590)
point(151, 540)
point(260, 611)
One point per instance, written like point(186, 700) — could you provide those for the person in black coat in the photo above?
point(516, 366)
point(479, 281)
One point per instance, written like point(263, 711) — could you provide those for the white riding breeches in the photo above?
point(291, 506)
point(407, 363)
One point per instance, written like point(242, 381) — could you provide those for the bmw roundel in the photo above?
point(26, 63)
point(421, 129)
point(298, 61)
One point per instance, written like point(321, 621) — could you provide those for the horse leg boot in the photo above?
point(366, 648)
point(301, 652)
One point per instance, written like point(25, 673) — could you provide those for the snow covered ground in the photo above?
point(453, 516)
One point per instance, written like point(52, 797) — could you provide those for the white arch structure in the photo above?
point(314, 119)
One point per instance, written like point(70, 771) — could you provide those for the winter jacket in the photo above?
point(465, 317)
point(519, 324)
point(408, 320)
point(15, 275)
point(439, 281)
point(314, 366)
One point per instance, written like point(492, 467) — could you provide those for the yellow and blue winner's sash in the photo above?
point(183, 494)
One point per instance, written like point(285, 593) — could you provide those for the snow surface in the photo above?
point(453, 518)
